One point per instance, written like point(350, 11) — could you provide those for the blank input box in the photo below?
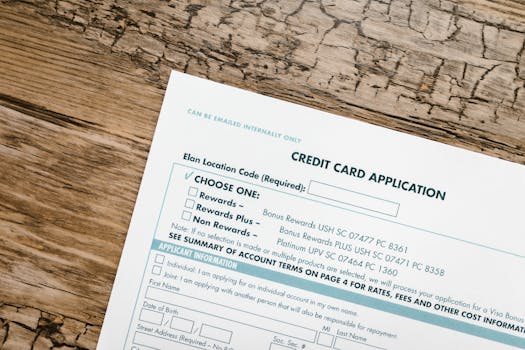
point(353, 198)
point(216, 333)
point(325, 339)
point(151, 316)
point(181, 324)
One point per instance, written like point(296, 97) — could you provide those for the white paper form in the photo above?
point(262, 224)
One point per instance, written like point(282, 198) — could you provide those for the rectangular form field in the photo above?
point(325, 339)
point(181, 324)
point(355, 199)
point(234, 315)
point(151, 316)
point(216, 333)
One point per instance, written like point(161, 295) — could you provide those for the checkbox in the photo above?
point(190, 203)
point(157, 270)
point(186, 215)
point(325, 339)
point(159, 259)
point(193, 191)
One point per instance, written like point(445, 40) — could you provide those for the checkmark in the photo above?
point(188, 175)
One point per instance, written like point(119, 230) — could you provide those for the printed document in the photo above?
point(265, 225)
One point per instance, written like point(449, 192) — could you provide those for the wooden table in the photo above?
point(81, 84)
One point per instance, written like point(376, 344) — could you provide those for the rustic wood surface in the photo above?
point(81, 84)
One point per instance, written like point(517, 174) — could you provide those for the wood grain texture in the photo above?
point(81, 84)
